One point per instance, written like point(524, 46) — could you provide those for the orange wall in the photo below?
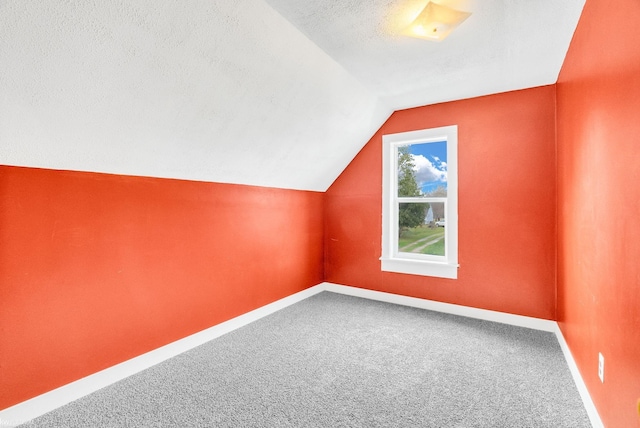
point(598, 96)
point(506, 162)
point(96, 269)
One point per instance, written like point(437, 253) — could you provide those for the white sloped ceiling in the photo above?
point(279, 93)
point(225, 91)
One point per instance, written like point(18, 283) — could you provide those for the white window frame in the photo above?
point(392, 260)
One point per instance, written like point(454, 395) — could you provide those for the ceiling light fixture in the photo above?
point(435, 22)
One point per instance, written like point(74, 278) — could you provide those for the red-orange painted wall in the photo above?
point(96, 269)
point(598, 96)
point(506, 162)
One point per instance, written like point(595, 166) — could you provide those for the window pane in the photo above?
point(422, 169)
point(421, 227)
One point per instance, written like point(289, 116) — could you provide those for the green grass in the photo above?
point(412, 239)
point(436, 249)
point(409, 236)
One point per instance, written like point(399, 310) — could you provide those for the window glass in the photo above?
point(422, 169)
point(428, 236)
point(422, 175)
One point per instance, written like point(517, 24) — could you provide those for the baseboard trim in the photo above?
point(487, 315)
point(23, 412)
point(594, 417)
point(465, 311)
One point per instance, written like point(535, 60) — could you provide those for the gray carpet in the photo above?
point(340, 361)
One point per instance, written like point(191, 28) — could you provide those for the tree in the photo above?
point(409, 214)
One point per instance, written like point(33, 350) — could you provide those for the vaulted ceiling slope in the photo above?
point(279, 93)
point(225, 91)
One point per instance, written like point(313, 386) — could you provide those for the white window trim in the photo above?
point(392, 260)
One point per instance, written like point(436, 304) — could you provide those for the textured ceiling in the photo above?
point(504, 45)
point(206, 90)
point(280, 93)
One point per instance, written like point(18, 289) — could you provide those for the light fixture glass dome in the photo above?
point(435, 22)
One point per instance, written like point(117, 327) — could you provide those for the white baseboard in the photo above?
point(596, 422)
point(23, 412)
point(483, 314)
point(38, 406)
point(465, 311)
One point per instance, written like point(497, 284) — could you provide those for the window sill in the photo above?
point(420, 267)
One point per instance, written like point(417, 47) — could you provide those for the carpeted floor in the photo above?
point(340, 361)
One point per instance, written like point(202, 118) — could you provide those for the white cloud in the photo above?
point(428, 171)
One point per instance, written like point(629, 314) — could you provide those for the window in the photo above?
point(420, 202)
